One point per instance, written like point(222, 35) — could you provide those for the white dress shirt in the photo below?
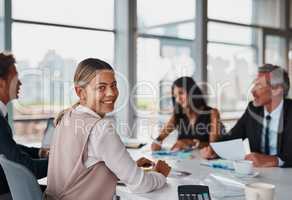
point(105, 145)
point(3, 109)
point(273, 130)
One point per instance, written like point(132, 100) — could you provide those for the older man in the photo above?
point(28, 157)
point(267, 121)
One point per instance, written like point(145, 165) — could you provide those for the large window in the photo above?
point(275, 51)
point(1, 25)
point(48, 42)
point(50, 37)
point(165, 51)
point(235, 41)
point(252, 12)
point(171, 22)
point(87, 13)
point(233, 56)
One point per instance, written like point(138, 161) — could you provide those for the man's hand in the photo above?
point(144, 162)
point(262, 160)
point(44, 152)
point(208, 153)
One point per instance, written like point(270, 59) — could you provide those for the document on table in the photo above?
point(232, 149)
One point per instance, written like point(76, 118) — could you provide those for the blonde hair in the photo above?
point(85, 72)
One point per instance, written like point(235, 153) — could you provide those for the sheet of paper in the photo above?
point(230, 150)
point(246, 146)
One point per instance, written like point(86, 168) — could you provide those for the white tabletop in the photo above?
point(281, 177)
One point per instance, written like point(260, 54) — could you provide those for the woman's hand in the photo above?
point(162, 167)
point(180, 145)
point(155, 146)
point(185, 144)
point(144, 162)
point(208, 153)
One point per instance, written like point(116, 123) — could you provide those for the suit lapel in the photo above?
point(7, 125)
point(259, 129)
point(281, 128)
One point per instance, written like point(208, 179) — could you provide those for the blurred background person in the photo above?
point(266, 121)
point(197, 123)
point(26, 156)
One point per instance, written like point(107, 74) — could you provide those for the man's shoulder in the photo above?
point(252, 108)
point(2, 118)
point(288, 102)
point(4, 129)
point(3, 123)
point(288, 107)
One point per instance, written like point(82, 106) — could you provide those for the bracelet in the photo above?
point(197, 143)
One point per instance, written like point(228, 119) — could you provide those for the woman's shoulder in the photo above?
point(214, 111)
point(106, 121)
point(211, 110)
point(104, 127)
point(208, 114)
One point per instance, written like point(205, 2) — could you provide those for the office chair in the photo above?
point(22, 183)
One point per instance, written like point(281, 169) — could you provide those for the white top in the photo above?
point(105, 145)
point(3, 109)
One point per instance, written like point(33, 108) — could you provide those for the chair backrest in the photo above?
point(22, 183)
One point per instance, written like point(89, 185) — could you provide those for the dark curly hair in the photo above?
point(195, 98)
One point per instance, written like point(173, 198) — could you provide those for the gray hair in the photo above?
point(279, 76)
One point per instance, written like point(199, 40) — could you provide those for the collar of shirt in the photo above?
point(84, 109)
point(3, 109)
point(276, 113)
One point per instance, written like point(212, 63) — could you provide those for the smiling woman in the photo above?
point(87, 156)
point(91, 87)
point(102, 96)
point(102, 92)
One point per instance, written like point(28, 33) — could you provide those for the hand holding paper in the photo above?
point(232, 149)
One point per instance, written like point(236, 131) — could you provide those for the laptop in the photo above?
point(48, 133)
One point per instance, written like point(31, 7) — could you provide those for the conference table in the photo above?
point(223, 184)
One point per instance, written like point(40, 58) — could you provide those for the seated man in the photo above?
point(28, 157)
point(267, 121)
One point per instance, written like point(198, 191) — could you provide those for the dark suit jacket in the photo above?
point(23, 155)
point(250, 126)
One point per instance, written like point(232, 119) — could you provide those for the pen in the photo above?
point(217, 166)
